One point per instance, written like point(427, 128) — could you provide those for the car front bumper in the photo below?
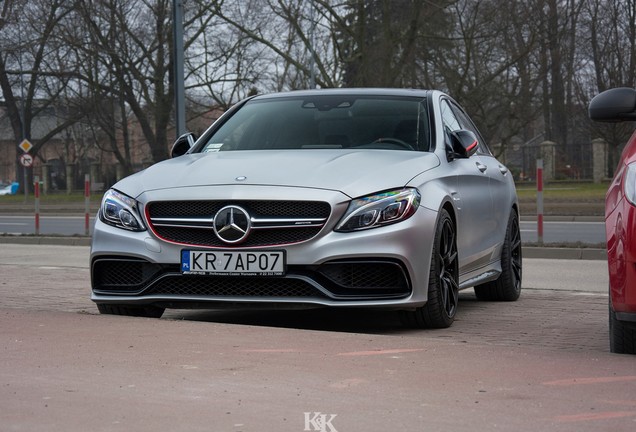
point(621, 254)
point(381, 267)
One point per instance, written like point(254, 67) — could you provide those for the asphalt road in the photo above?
point(564, 232)
point(541, 363)
point(554, 232)
point(57, 225)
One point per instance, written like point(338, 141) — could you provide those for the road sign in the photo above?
point(25, 145)
point(26, 160)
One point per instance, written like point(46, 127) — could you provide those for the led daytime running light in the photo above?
point(380, 209)
point(119, 210)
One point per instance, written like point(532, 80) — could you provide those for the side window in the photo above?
point(449, 121)
point(448, 118)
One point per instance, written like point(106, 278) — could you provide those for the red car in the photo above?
point(617, 105)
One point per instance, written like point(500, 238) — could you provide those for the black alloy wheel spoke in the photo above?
point(445, 293)
point(516, 252)
point(452, 295)
point(448, 260)
point(516, 268)
point(515, 246)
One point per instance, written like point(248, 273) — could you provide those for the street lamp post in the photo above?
point(179, 91)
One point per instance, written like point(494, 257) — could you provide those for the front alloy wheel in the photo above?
point(443, 289)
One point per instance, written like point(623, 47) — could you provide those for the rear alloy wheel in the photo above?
point(443, 287)
point(622, 334)
point(136, 311)
point(508, 286)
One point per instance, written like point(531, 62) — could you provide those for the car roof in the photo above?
point(348, 91)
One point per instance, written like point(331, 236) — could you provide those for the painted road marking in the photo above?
point(595, 416)
point(591, 380)
point(379, 352)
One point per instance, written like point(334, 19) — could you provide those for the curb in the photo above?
point(565, 253)
point(528, 252)
point(564, 218)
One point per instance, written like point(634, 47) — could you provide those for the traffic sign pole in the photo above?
point(87, 203)
point(26, 186)
point(540, 201)
point(36, 192)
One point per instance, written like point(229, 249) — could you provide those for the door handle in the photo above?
point(481, 167)
point(503, 169)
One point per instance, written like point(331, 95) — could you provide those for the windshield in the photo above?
point(325, 121)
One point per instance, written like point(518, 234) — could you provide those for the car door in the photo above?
point(499, 184)
point(473, 200)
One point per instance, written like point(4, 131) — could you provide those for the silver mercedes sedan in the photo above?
point(374, 198)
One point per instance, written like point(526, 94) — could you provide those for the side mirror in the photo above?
point(614, 105)
point(464, 144)
point(182, 144)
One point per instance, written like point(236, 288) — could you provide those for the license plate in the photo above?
point(233, 263)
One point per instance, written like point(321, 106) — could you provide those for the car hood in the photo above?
point(352, 172)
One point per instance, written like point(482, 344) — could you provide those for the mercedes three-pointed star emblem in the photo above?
point(232, 224)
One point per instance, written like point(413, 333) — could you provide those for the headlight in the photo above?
point(120, 210)
point(630, 183)
point(379, 209)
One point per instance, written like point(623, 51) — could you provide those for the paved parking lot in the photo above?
point(541, 363)
point(564, 315)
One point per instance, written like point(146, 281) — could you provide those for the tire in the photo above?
point(622, 335)
point(443, 283)
point(138, 311)
point(508, 286)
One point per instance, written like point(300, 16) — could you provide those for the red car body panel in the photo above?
point(620, 229)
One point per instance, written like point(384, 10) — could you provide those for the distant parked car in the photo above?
point(377, 198)
point(617, 105)
point(9, 189)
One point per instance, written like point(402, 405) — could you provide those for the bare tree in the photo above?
point(522, 67)
point(381, 41)
point(610, 47)
point(32, 75)
point(223, 64)
point(129, 53)
point(485, 60)
point(280, 34)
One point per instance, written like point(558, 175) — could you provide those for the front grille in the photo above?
point(201, 209)
point(191, 222)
